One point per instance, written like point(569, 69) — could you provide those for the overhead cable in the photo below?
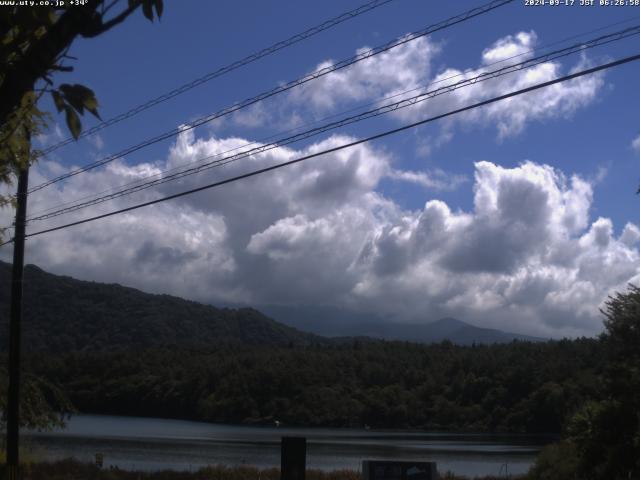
point(474, 12)
point(378, 101)
point(386, 133)
point(226, 69)
point(381, 110)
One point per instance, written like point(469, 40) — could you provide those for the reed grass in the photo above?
point(74, 470)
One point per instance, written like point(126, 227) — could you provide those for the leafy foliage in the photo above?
point(72, 99)
point(15, 152)
point(557, 461)
point(602, 440)
point(33, 45)
point(43, 405)
point(606, 432)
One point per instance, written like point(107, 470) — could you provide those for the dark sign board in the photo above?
point(396, 470)
point(293, 458)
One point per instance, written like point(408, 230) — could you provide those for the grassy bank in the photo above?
point(74, 470)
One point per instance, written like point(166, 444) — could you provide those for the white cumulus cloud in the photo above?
point(410, 68)
point(526, 257)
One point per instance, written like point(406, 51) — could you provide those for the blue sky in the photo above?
point(586, 130)
point(139, 60)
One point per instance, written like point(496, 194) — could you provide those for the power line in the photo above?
point(283, 88)
point(294, 83)
point(344, 146)
point(407, 102)
point(228, 68)
point(359, 107)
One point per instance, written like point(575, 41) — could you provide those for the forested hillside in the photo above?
point(63, 314)
point(519, 387)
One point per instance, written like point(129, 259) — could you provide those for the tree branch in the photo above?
point(109, 7)
point(103, 27)
point(41, 57)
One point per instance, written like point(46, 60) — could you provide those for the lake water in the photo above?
point(153, 444)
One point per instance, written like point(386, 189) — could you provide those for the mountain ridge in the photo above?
point(334, 322)
point(57, 309)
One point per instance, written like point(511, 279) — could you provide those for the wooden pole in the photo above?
point(13, 404)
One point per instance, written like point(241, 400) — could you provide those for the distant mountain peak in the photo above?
point(448, 325)
point(333, 322)
point(450, 321)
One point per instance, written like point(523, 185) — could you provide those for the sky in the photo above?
point(521, 215)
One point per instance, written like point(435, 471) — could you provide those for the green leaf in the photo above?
point(91, 104)
point(53, 17)
point(83, 91)
point(147, 10)
point(62, 68)
point(159, 7)
point(73, 122)
point(43, 15)
point(73, 98)
point(58, 100)
point(80, 97)
point(28, 99)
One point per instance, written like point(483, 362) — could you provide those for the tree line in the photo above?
point(518, 387)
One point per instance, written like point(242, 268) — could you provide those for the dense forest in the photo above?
point(519, 387)
point(62, 314)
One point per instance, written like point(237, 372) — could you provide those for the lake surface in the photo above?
point(153, 444)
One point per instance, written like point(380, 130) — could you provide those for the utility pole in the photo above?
point(15, 321)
